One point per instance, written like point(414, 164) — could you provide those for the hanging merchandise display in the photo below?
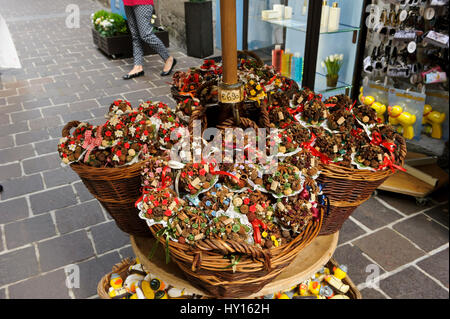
point(405, 111)
point(407, 53)
point(375, 95)
point(408, 42)
point(435, 115)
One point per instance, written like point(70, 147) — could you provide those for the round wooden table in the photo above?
point(308, 262)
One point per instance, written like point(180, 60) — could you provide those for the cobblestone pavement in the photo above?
point(48, 219)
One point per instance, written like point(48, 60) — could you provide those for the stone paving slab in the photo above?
point(1, 240)
point(373, 214)
point(108, 237)
point(370, 293)
point(401, 202)
point(49, 220)
point(17, 265)
point(350, 230)
point(14, 209)
point(389, 249)
point(92, 270)
point(437, 266)
point(359, 266)
point(411, 283)
point(439, 214)
point(29, 230)
point(48, 286)
point(64, 250)
point(79, 216)
point(423, 231)
point(52, 199)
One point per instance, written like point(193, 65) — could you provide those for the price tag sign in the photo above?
point(230, 95)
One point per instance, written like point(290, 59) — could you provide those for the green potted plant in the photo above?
point(333, 64)
point(111, 35)
point(199, 28)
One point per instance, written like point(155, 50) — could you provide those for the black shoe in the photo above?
point(171, 68)
point(134, 75)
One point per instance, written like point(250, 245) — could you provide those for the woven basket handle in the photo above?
point(230, 123)
point(265, 120)
point(204, 86)
point(293, 89)
point(66, 129)
point(230, 247)
point(403, 149)
point(125, 263)
point(197, 115)
point(253, 55)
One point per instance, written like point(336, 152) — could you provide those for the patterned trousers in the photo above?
point(141, 30)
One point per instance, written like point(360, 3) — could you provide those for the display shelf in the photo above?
point(321, 85)
point(301, 26)
point(308, 262)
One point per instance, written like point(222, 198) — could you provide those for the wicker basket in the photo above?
point(353, 292)
point(347, 188)
point(206, 267)
point(178, 96)
point(121, 269)
point(117, 189)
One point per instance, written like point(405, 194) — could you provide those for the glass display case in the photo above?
point(313, 30)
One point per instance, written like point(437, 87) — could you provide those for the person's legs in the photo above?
point(138, 51)
point(143, 14)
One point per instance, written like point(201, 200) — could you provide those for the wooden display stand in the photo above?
point(418, 181)
point(307, 263)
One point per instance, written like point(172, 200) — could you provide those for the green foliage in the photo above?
point(333, 63)
point(109, 24)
